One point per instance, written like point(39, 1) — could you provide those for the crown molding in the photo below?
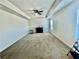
point(12, 7)
point(61, 5)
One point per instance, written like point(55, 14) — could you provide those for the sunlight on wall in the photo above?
point(77, 27)
point(50, 20)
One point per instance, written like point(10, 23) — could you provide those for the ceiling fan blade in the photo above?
point(41, 11)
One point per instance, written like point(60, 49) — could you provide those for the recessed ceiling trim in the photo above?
point(61, 5)
point(50, 8)
point(11, 6)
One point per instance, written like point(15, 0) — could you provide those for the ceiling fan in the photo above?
point(35, 12)
point(39, 12)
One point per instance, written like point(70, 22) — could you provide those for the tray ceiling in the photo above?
point(27, 5)
point(25, 8)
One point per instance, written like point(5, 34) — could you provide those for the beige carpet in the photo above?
point(37, 46)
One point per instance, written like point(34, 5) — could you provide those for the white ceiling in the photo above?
point(26, 5)
point(21, 7)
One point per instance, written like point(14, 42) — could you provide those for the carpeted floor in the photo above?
point(37, 46)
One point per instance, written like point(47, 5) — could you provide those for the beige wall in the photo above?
point(41, 22)
point(12, 28)
point(65, 22)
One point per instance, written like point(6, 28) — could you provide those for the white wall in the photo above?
point(65, 22)
point(41, 22)
point(12, 28)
